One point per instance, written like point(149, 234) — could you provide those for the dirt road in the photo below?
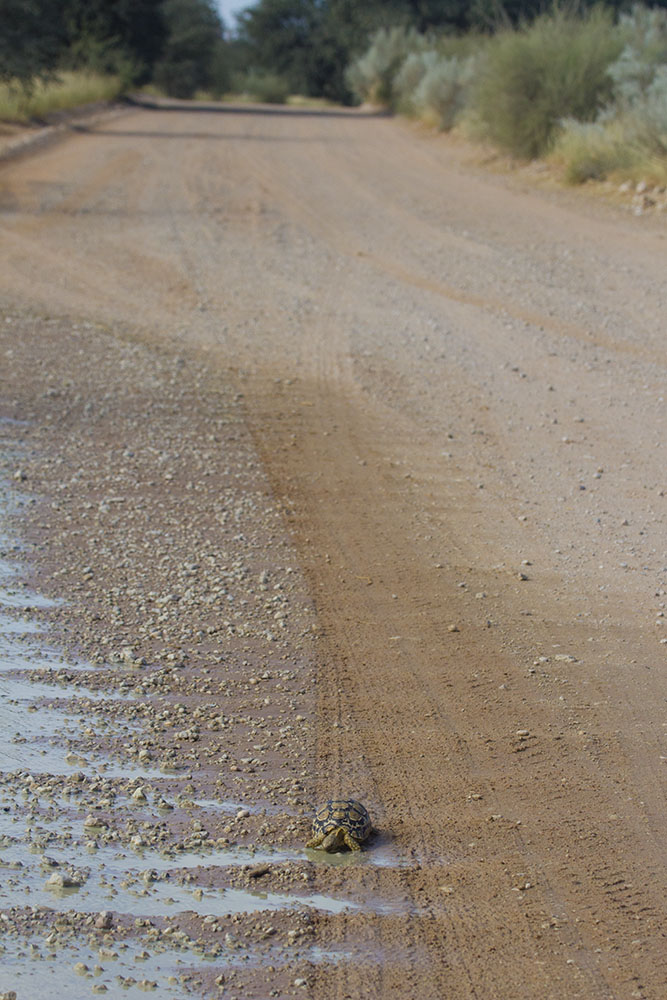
point(455, 384)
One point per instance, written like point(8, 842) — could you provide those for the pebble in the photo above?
point(258, 871)
point(95, 822)
point(61, 880)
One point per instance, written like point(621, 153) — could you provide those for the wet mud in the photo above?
point(155, 793)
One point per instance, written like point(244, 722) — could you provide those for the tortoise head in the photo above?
point(334, 840)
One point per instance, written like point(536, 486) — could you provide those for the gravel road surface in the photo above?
point(345, 460)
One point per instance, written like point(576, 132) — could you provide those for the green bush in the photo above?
point(536, 76)
point(267, 88)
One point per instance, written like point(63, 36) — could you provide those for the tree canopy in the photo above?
point(308, 44)
point(32, 38)
point(194, 34)
point(135, 30)
point(311, 42)
point(178, 38)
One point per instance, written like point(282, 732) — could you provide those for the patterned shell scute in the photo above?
point(348, 813)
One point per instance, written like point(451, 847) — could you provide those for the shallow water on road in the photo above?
point(47, 773)
point(39, 718)
point(21, 627)
point(76, 969)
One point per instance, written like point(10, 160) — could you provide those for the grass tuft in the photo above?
point(591, 151)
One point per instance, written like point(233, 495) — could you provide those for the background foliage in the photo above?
point(584, 81)
point(135, 39)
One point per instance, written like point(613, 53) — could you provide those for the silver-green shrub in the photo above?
point(372, 76)
point(630, 132)
point(639, 77)
point(443, 89)
point(410, 76)
point(644, 31)
point(646, 120)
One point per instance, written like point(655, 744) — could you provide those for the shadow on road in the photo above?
point(199, 107)
point(226, 137)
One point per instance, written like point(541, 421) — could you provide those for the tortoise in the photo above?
point(340, 823)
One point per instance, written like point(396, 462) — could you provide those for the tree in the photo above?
point(190, 57)
point(280, 38)
point(311, 42)
point(32, 39)
point(106, 35)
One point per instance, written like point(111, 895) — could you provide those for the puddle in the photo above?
point(42, 829)
point(14, 688)
point(117, 884)
point(15, 654)
point(126, 968)
point(7, 569)
point(382, 855)
point(230, 857)
point(12, 626)
point(36, 969)
point(22, 597)
point(36, 738)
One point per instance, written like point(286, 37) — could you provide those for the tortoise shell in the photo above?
point(346, 813)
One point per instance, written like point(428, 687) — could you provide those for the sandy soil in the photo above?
point(449, 389)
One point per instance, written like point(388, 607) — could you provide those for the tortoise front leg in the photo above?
point(350, 842)
point(316, 840)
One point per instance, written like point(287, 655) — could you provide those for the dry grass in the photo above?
point(601, 151)
point(68, 90)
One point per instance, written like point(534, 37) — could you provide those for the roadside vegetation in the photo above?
point(579, 83)
point(57, 54)
point(581, 87)
point(70, 89)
